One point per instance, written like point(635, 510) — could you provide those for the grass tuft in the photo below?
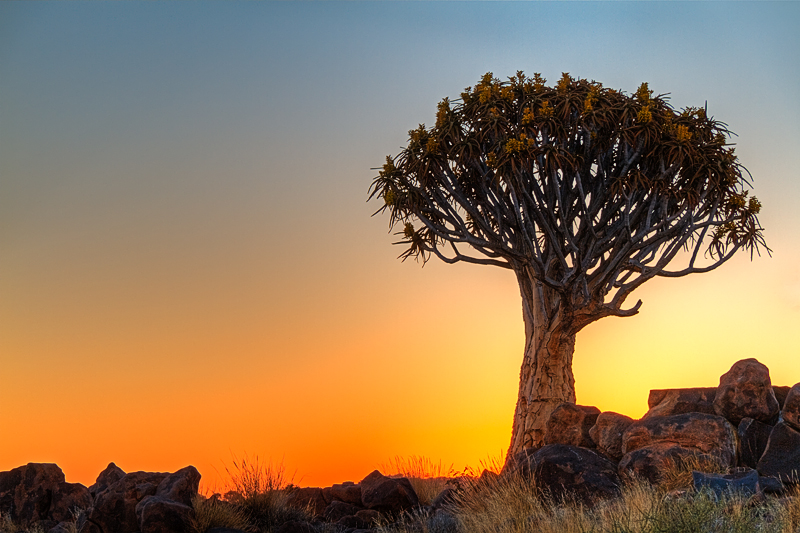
point(427, 478)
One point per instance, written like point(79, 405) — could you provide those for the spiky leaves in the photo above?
point(588, 190)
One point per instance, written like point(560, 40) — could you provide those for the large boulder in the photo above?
point(791, 408)
point(570, 424)
point(115, 508)
point(781, 459)
point(668, 402)
point(347, 492)
point(106, 478)
point(156, 514)
point(607, 433)
point(339, 509)
point(745, 391)
point(652, 461)
point(753, 437)
point(781, 393)
point(708, 434)
point(38, 494)
point(180, 486)
point(388, 495)
point(570, 472)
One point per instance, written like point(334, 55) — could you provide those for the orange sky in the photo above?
point(188, 266)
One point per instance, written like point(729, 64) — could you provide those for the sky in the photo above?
point(190, 272)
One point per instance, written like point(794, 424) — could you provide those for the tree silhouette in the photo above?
point(584, 192)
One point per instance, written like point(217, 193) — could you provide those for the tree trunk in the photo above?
point(545, 379)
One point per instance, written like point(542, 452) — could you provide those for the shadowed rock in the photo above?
point(180, 486)
point(106, 478)
point(705, 433)
point(156, 514)
point(570, 424)
point(307, 498)
point(388, 495)
point(781, 459)
point(568, 472)
point(791, 408)
point(745, 391)
point(652, 461)
point(338, 509)
point(753, 437)
point(607, 433)
point(742, 483)
point(115, 508)
point(347, 492)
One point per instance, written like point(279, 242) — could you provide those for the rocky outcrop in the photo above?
point(753, 437)
point(115, 508)
point(652, 461)
point(781, 459)
point(668, 402)
point(607, 433)
point(570, 424)
point(570, 472)
point(745, 391)
point(708, 434)
point(106, 478)
point(388, 495)
point(791, 408)
point(157, 514)
point(310, 498)
point(37, 493)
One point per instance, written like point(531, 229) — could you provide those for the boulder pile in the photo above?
point(745, 425)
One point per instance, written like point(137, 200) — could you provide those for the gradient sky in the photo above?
point(189, 269)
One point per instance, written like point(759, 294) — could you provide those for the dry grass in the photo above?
point(427, 478)
point(212, 512)
point(678, 472)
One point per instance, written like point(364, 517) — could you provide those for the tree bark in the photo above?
point(545, 379)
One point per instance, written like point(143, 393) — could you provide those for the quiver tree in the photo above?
point(584, 192)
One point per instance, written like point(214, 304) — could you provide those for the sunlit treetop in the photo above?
point(589, 190)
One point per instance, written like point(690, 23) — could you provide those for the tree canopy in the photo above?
point(589, 190)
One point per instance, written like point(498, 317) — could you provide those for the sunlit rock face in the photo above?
point(745, 391)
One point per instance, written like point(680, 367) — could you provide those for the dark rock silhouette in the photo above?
point(387, 495)
point(753, 437)
point(781, 459)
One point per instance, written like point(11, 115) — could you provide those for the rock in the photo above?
point(34, 491)
point(337, 510)
point(745, 391)
point(66, 498)
point(352, 522)
point(180, 486)
point(115, 507)
point(293, 526)
point(444, 498)
point(650, 462)
point(668, 402)
point(753, 437)
point(770, 485)
point(369, 517)
point(791, 408)
point(225, 530)
point(37, 494)
point(106, 478)
point(62, 527)
point(570, 424)
point(705, 433)
point(781, 459)
point(742, 483)
point(347, 492)
point(310, 498)
point(568, 472)
point(607, 433)
point(780, 394)
point(156, 514)
point(387, 495)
